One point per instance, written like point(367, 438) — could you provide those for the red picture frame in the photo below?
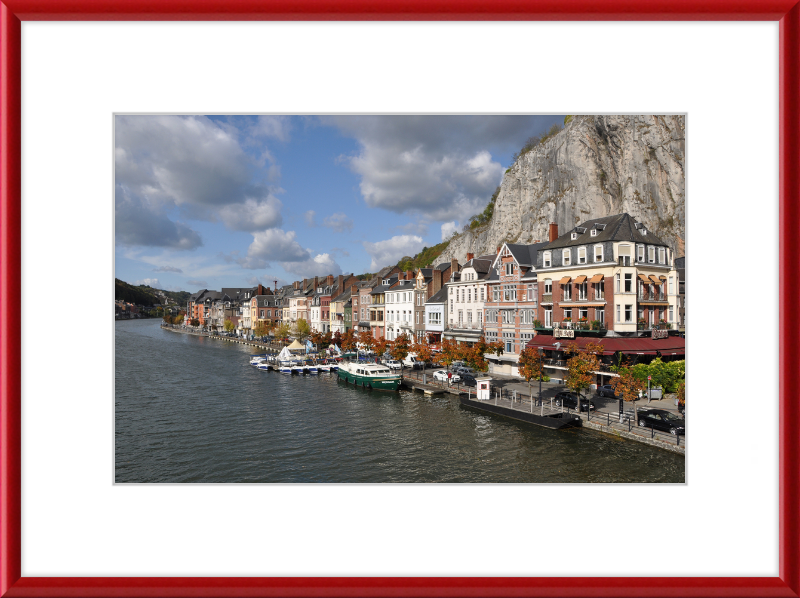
point(12, 12)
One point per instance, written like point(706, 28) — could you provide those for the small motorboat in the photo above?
point(264, 365)
point(285, 367)
point(298, 368)
point(255, 360)
point(312, 368)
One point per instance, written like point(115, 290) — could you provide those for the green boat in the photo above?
point(369, 375)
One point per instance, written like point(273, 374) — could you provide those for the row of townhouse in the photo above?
point(607, 277)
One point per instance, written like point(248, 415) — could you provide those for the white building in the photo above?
point(466, 295)
point(434, 316)
point(399, 308)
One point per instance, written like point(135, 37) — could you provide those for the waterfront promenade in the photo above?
point(512, 393)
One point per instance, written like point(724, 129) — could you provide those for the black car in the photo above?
point(661, 419)
point(570, 399)
point(606, 391)
point(468, 379)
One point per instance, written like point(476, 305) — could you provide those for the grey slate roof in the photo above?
point(680, 262)
point(439, 297)
point(620, 227)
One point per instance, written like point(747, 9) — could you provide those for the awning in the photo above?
point(596, 278)
point(672, 345)
point(580, 280)
point(662, 277)
point(565, 280)
point(655, 279)
point(644, 278)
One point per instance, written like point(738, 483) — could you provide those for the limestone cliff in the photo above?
point(597, 166)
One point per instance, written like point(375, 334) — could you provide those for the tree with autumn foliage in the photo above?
point(450, 352)
point(366, 340)
point(423, 351)
point(336, 338)
point(629, 387)
point(583, 364)
point(381, 344)
point(682, 395)
point(531, 366)
point(282, 332)
point(348, 341)
point(400, 347)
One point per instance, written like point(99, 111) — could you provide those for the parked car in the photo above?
point(462, 369)
point(468, 379)
point(393, 364)
point(606, 391)
point(441, 376)
point(572, 399)
point(661, 419)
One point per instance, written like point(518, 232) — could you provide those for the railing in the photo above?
point(651, 296)
point(654, 326)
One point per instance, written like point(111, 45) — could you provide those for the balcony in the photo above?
point(647, 296)
point(464, 326)
point(643, 325)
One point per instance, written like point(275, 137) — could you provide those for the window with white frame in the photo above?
point(583, 312)
point(509, 292)
point(546, 259)
point(629, 313)
point(508, 316)
point(567, 293)
point(480, 317)
point(594, 232)
point(469, 316)
point(495, 294)
point(670, 314)
point(460, 316)
point(628, 283)
point(662, 255)
point(469, 295)
point(568, 314)
point(618, 318)
point(566, 256)
point(598, 253)
point(509, 268)
point(599, 314)
point(582, 289)
point(616, 287)
point(582, 254)
point(481, 293)
point(548, 286)
point(671, 286)
point(651, 254)
point(640, 253)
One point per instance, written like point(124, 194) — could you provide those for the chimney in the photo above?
point(436, 283)
point(354, 290)
point(553, 231)
point(296, 285)
point(305, 283)
point(470, 256)
point(329, 280)
point(453, 266)
point(276, 286)
point(340, 282)
point(409, 275)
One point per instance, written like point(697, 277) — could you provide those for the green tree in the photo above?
point(302, 329)
point(283, 331)
point(229, 326)
point(260, 329)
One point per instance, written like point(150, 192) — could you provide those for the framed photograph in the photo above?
point(67, 529)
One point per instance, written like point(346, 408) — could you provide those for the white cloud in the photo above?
point(198, 283)
point(448, 228)
point(196, 165)
point(309, 218)
point(168, 269)
point(389, 252)
point(338, 222)
point(252, 214)
point(437, 166)
point(151, 282)
point(273, 244)
point(277, 127)
point(319, 265)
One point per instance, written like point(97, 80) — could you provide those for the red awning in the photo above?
point(673, 345)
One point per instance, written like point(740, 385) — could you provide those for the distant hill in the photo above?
point(141, 295)
point(424, 258)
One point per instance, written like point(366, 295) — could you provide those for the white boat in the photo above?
point(264, 365)
point(257, 359)
point(312, 369)
point(298, 368)
point(285, 367)
point(324, 368)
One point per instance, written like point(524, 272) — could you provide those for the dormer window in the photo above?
point(651, 254)
point(644, 232)
point(546, 259)
point(594, 232)
point(573, 236)
point(662, 259)
point(509, 269)
point(580, 230)
point(566, 257)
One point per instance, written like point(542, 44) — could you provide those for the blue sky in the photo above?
point(213, 201)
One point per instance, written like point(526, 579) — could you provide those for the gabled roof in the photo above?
point(443, 266)
point(439, 297)
point(621, 227)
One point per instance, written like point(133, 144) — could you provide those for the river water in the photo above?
point(191, 409)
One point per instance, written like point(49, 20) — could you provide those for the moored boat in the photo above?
point(285, 367)
point(374, 376)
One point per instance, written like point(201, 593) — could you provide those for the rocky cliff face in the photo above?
point(597, 166)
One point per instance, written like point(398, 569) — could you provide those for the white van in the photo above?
point(410, 360)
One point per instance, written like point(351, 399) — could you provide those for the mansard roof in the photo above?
point(439, 297)
point(621, 227)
